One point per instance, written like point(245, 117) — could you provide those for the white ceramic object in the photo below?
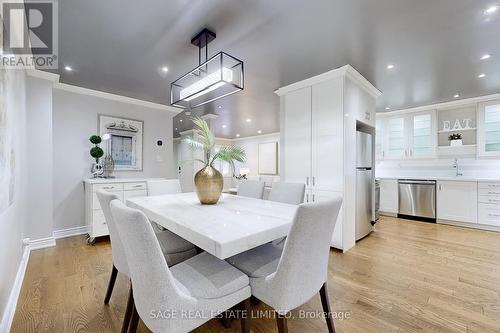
point(455, 143)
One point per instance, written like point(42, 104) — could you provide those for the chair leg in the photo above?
point(134, 321)
point(325, 301)
point(245, 316)
point(111, 284)
point(281, 321)
point(128, 311)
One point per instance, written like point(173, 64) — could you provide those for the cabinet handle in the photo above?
point(314, 183)
point(138, 186)
point(314, 197)
point(406, 153)
point(494, 215)
point(108, 187)
point(440, 187)
point(307, 197)
point(307, 180)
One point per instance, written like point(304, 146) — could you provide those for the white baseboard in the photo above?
point(75, 231)
point(42, 243)
point(10, 308)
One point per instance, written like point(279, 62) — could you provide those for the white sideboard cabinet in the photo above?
point(124, 188)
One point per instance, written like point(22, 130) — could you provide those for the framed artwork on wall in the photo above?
point(268, 158)
point(125, 142)
point(7, 147)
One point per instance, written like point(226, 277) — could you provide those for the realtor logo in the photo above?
point(29, 36)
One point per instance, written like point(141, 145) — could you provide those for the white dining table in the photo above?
point(234, 225)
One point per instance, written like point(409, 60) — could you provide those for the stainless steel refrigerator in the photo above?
point(364, 184)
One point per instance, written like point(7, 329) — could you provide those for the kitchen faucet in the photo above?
point(457, 167)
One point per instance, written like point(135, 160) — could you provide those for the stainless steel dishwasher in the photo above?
point(417, 199)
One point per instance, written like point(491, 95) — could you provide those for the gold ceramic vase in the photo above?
point(208, 182)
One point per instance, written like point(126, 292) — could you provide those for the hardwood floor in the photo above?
point(405, 277)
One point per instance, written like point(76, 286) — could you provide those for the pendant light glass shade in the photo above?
point(220, 76)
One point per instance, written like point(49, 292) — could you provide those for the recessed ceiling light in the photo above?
point(481, 75)
point(224, 126)
point(485, 56)
point(387, 108)
point(68, 69)
point(456, 95)
point(219, 107)
point(164, 69)
point(259, 131)
point(390, 66)
point(237, 135)
point(180, 120)
point(249, 120)
point(176, 129)
point(491, 10)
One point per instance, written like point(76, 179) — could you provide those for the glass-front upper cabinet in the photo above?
point(489, 129)
point(422, 143)
point(396, 138)
point(408, 136)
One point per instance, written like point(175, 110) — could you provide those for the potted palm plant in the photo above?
point(208, 181)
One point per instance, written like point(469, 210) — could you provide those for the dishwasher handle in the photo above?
point(419, 182)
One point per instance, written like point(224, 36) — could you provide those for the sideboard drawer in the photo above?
point(489, 186)
point(96, 205)
point(107, 187)
point(489, 214)
point(134, 186)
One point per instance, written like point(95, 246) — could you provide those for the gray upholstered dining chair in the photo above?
point(176, 247)
point(290, 193)
point(118, 253)
point(202, 285)
point(251, 189)
point(287, 279)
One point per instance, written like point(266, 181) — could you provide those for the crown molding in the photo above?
point(43, 75)
point(344, 71)
point(118, 98)
point(441, 106)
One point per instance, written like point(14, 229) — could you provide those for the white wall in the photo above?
point(470, 167)
point(39, 178)
point(251, 147)
point(75, 119)
point(12, 220)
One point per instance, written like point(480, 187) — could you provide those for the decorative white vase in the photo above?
point(455, 143)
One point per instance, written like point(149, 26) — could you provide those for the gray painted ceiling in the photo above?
point(435, 45)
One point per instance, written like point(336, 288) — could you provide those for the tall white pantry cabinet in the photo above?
point(318, 139)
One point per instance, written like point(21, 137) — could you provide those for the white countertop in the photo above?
point(444, 178)
point(234, 225)
point(116, 180)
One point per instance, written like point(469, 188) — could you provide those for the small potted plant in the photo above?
point(455, 139)
point(96, 152)
point(208, 181)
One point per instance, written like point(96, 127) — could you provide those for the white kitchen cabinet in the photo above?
point(457, 201)
point(409, 136)
point(389, 197)
point(123, 188)
point(489, 203)
point(488, 130)
point(296, 142)
point(327, 136)
point(318, 139)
